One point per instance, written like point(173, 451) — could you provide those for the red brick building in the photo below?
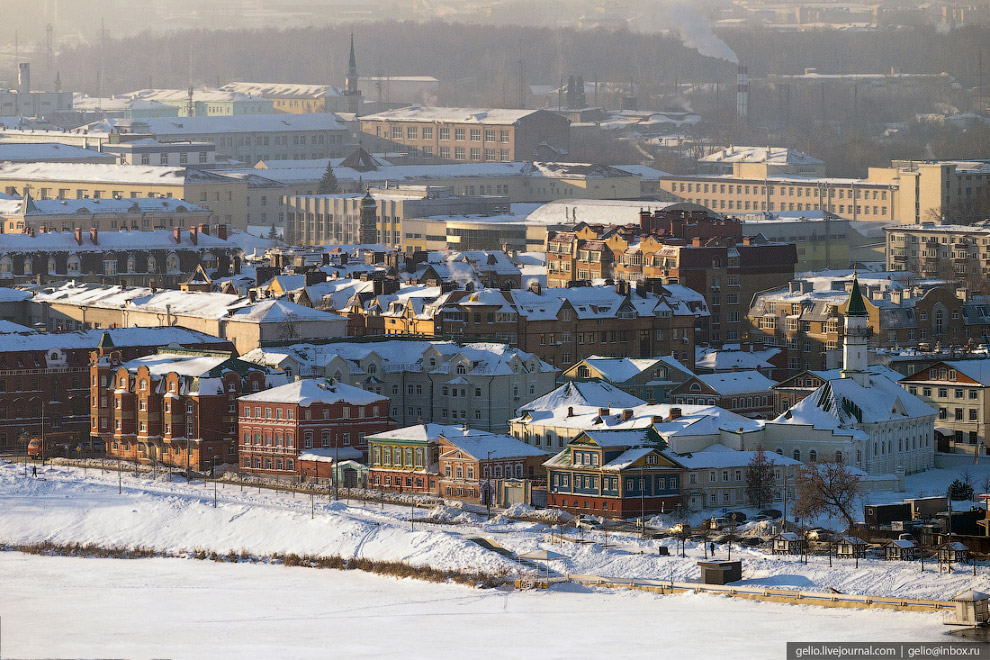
point(177, 407)
point(46, 375)
point(473, 462)
point(307, 421)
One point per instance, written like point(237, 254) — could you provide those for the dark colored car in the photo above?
point(773, 513)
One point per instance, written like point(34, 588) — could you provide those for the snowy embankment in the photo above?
point(66, 506)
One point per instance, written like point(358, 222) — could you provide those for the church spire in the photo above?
point(351, 91)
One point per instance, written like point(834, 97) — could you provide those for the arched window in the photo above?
point(779, 451)
point(6, 266)
point(28, 265)
point(131, 264)
point(172, 262)
point(797, 454)
point(152, 264)
point(838, 456)
point(695, 387)
point(74, 265)
point(372, 368)
point(812, 455)
point(583, 371)
point(51, 266)
point(209, 261)
point(460, 369)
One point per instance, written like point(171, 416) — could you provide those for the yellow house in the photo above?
point(226, 197)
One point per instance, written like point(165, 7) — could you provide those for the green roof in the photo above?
point(856, 306)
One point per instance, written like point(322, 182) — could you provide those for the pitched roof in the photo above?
point(856, 306)
point(307, 392)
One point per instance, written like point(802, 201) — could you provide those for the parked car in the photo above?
point(773, 513)
point(761, 518)
point(680, 528)
point(718, 522)
point(588, 522)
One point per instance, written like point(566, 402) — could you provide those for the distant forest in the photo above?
point(481, 64)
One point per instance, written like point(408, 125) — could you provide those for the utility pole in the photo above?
point(642, 499)
point(214, 482)
point(488, 484)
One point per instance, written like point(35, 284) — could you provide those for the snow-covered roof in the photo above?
point(459, 115)
point(322, 455)
point(737, 382)
point(978, 370)
point(108, 174)
point(603, 211)
point(47, 151)
point(720, 456)
point(620, 370)
point(769, 155)
point(309, 391)
point(491, 445)
point(64, 241)
point(276, 310)
point(427, 433)
point(40, 207)
point(192, 365)
point(260, 123)
point(725, 360)
point(634, 438)
point(842, 403)
point(283, 90)
point(582, 396)
point(121, 337)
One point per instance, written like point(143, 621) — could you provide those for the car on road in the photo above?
point(760, 518)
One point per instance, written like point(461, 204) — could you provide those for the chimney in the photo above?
point(177, 235)
point(675, 413)
point(204, 229)
point(570, 411)
point(222, 231)
point(602, 412)
point(627, 415)
point(24, 78)
point(535, 288)
point(78, 235)
point(742, 93)
point(194, 235)
point(94, 235)
point(252, 295)
point(657, 419)
point(696, 241)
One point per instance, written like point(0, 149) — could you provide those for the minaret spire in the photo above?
point(351, 90)
point(855, 342)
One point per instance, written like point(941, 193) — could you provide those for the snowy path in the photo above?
point(181, 608)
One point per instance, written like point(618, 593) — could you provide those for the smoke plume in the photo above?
point(696, 34)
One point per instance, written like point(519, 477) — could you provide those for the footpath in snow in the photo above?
point(66, 505)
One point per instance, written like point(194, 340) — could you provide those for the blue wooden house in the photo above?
point(615, 474)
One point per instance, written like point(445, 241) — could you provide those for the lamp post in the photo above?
point(488, 483)
point(642, 500)
point(214, 470)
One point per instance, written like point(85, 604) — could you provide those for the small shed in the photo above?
point(900, 550)
point(953, 551)
point(850, 547)
point(787, 543)
point(971, 609)
point(720, 572)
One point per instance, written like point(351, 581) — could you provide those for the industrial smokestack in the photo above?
point(24, 78)
point(742, 92)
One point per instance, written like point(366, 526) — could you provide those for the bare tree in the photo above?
point(760, 479)
point(827, 488)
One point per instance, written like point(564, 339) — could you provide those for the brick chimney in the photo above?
point(675, 413)
point(696, 241)
point(602, 412)
point(570, 411)
point(657, 419)
point(627, 415)
point(204, 229)
point(194, 235)
point(222, 232)
point(94, 235)
point(177, 235)
point(78, 232)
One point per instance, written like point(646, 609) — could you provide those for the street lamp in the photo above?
point(488, 483)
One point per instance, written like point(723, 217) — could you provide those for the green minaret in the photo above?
point(351, 90)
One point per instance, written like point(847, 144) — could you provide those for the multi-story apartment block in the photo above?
point(907, 192)
point(158, 257)
point(293, 98)
point(468, 135)
point(336, 219)
point(44, 378)
point(959, 390)
point(304, 421)
point(426, 382)
point(953, 252)
point(246, 138)
point(778, 160)
point(562, 326)
point(224, 196)
point(678, 246)
point(177, 407)
point(805, 319)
